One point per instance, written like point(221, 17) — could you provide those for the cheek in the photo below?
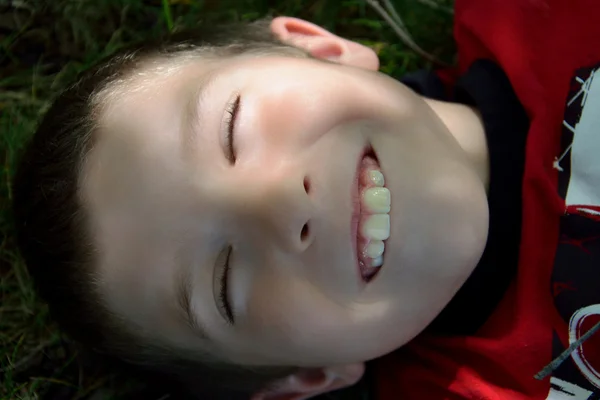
point(289, 321)
point(286, 112)
point(295, 324)
point(290, 311)
point(290, 112)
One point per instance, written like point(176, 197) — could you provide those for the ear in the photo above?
point(308, 383)
point(323, 44)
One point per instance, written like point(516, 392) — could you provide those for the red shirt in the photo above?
point(550, 51)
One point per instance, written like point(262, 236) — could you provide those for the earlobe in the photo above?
point(323, 44)
point(308, 383)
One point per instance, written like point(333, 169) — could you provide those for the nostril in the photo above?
point(306, 185)
point(305, 232)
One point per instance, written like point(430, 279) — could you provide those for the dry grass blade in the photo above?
point(436, 6)
point(24, 361)
point(399, 28)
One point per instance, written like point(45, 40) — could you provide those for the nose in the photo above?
point(278, 207)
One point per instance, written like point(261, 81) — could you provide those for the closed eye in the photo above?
point(232, 112)
point(224, 303)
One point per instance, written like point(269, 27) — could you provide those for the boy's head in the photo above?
point(204, 202)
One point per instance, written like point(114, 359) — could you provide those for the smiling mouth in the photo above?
point(370, 218)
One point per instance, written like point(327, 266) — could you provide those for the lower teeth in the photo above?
point(377, 262)
point(374, 249)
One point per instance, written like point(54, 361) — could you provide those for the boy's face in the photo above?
point(169, 208)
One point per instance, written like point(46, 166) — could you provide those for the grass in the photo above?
point(43, 45)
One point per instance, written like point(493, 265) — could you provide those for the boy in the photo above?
point(270, 213)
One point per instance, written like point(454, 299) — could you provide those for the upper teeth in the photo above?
point(375, 228)
point(377, 199)
point(376, 177)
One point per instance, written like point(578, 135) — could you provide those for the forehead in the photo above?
point(137, 132)
point(131, 185)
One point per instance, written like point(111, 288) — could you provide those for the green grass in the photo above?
point(43, 45)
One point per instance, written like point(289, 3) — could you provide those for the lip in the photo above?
point(356, 211)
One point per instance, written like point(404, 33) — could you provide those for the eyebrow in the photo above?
point(189, 130)
point(183, 294)
point(192, 113)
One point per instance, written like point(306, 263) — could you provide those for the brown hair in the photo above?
point(51, 220)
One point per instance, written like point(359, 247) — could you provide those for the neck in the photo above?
point(466, 125)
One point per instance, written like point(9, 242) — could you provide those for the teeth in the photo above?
point(376, 177)
point(377, 262)
point(375, 249)
point(377, 227)
point(377, 199)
